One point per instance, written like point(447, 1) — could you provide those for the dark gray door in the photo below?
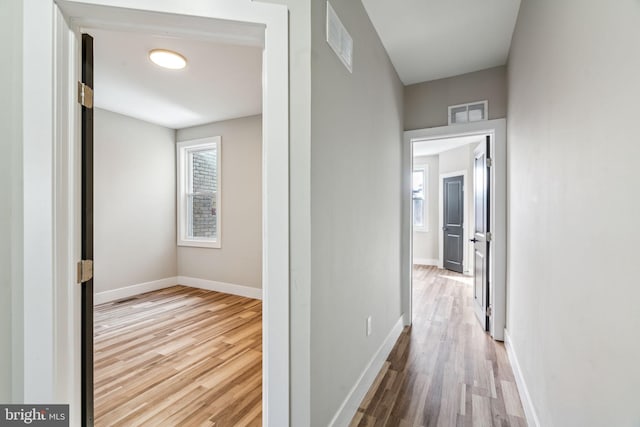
point(481, 237)
point(87, 236)
point(453, 220)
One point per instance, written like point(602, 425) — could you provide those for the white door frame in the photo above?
point(56, 356)
point(498, 255)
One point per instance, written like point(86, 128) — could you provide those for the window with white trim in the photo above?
point(199, 195)
point(419, 196)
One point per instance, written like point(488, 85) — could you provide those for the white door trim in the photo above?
point(498, 263)
point(465, 213)
point(65, 385)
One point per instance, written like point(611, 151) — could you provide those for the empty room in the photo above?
point(177, 229)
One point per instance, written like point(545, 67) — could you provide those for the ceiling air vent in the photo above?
point(471, 112)
point(339, 39)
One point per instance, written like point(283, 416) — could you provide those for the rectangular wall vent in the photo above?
point(471, 112)
point(339, 39)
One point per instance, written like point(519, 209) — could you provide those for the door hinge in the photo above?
point(489, 236)
point(85, 95)
point(85, 270)
point(489, 162)
point(489, 310)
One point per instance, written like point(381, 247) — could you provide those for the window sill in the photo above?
point(200, 244)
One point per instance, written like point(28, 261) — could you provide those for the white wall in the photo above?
point(455, 160)
point(573, 291)
point(425, 243)
point(356, 135)
point(134, 201)
point(239, 260)
point(10, 201)
point(461, 159)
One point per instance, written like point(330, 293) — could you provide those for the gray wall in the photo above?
point(356, 134)
point(134, 201)
point(425, 104)
point(425, 243)
point(10, 201)
point(239, 260)
point(573, 290)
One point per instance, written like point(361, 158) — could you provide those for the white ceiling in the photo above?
point(432, 147)
point(221, 81)
point(433, 39)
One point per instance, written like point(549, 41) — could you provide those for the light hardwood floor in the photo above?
point(179, 356)
point(444, 370)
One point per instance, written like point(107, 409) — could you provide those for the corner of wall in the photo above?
point(365, 381)
point(523, 390)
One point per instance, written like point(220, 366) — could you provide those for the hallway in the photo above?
point(444, 370)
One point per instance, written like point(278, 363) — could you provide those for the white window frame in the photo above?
point(425, 182)
point(183, 184)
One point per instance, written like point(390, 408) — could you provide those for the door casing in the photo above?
point(498, 257)
point(70, 16)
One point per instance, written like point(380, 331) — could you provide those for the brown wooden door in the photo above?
point(87, 236)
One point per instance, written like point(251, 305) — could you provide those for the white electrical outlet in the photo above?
point(368, 325)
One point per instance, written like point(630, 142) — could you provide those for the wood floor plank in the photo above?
point(482, 411)
point(512, 399)
point(178, 356)
point(444, 370)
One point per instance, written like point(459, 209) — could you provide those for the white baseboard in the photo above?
point(406, 319)
point(350, 405)
point(210, 285)
point(425, 261)
point(129, 291)
point(227, 288)
point(527, 403)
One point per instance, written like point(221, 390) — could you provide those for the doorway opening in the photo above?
point(455, 215)
point(176, 21)
point(445, 204)
point(177, 225)
point(444, 237)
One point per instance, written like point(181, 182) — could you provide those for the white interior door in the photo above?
point(481, 235)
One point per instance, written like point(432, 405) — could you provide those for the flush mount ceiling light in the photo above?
point(167, 59)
